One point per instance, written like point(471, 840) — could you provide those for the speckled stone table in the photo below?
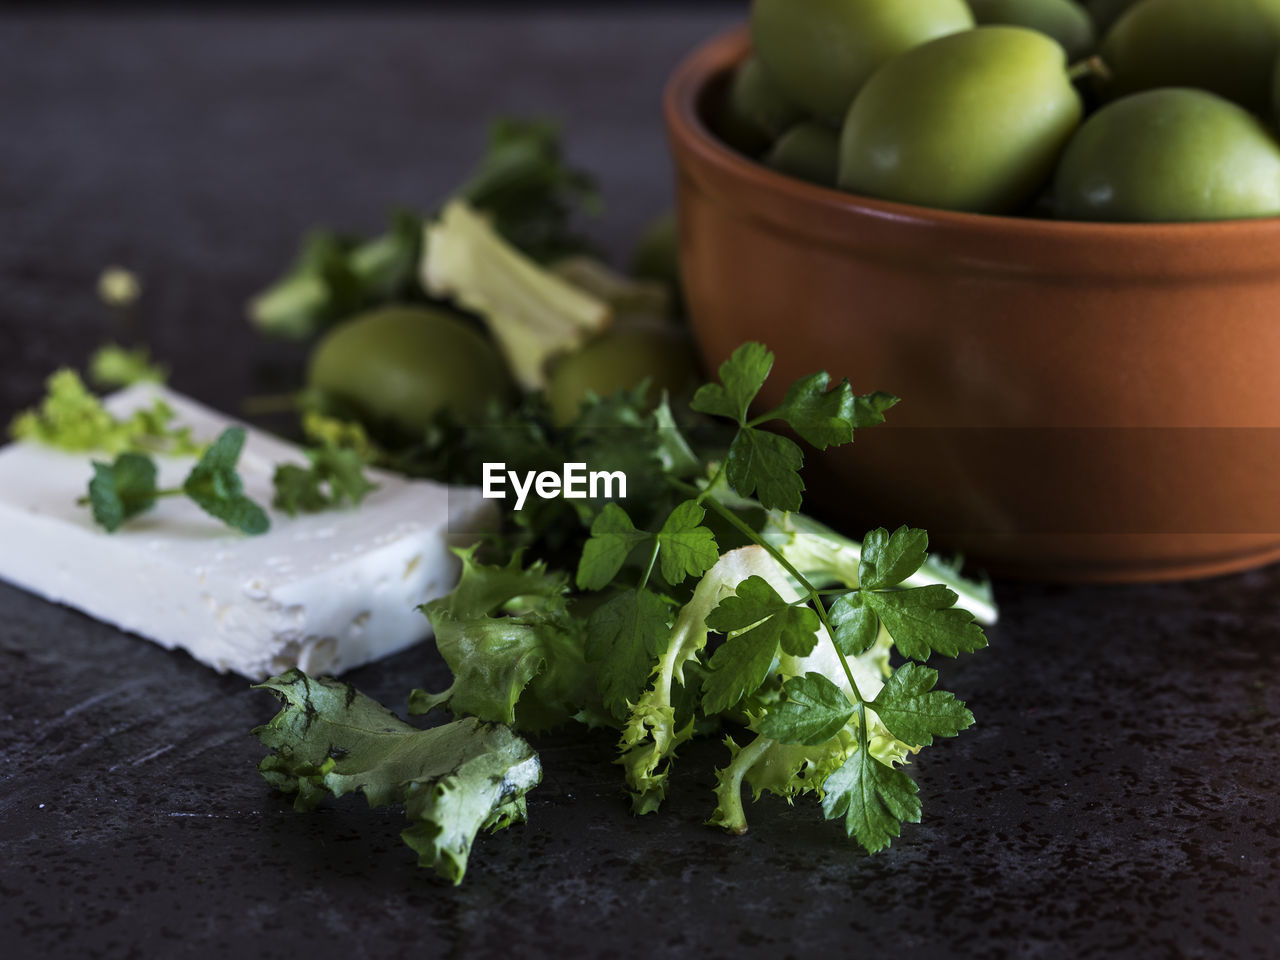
point(1118, 797)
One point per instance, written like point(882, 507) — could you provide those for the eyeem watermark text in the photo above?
point(574, 482)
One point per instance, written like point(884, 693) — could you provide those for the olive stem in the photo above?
point(1093, 66)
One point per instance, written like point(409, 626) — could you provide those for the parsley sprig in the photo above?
point(704, 602)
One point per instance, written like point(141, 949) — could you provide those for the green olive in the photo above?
point(620, 359)
point(657, 254)
point(755, 112)
point(1173, 154)
point(809, 151)
point(974, 121)
point(1275, 92)
point(405, 365)
point(1107, 12)
point(1228, 47)
point(1064, 20)
point(821, 52)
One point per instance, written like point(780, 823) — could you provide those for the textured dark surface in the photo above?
point(1118, 797)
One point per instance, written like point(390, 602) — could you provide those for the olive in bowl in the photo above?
point(1080, 401)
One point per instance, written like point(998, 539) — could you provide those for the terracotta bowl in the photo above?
point(1079, 401)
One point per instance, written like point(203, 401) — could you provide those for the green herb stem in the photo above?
point(811, 593)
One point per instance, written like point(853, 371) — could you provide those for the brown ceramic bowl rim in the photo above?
point(787, 200)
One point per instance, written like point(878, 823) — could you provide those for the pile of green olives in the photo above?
point(1102, 110)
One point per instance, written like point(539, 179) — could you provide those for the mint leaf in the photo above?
point(122, 489)
point(925, 620)
point(888, 559)
point(874, 799)
point(613, 537)
point(624, 638)
point(814, 710)
point(914, 712)
point(686, 548)
point(756, 603)
point(217, 489)
point(454, 780)
point(767, 464)
point(741, 377)
point(854, 624)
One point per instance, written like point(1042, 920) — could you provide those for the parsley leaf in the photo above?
point(916, 713)
point(824, 418)
point(888, 559)
point(853, 623)
point(624, 638)
point(814, 710)
point(765, 622)
point(336, 475)
point(686, 548)
point(757, 605)
point(767, 464)
point(875, 799)
point(741, 377)
point(454, 780)
point(298, 490)
point(217, 489)
point(925, 620)
point(613, 537)
point(122, 489)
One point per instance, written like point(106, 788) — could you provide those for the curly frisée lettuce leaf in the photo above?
point(516, 654)
point(454, 780)
point(532, 313)
point(71, 418)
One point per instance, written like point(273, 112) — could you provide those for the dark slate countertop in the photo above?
point(1117, 798)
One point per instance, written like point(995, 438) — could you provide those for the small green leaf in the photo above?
point(888, 559)
point(613, 537)
point(925, 620)
point(122, 489)
point(216, 487)
point(756, 603)
point(343, 470)
point(738, 668)
point(767, 464)
point(297, 490)
point(874, 799)
point(687, 549)
point(914, 712)
point(624, 638)
point(759, 622)
point(854, 623)
point(336, 475)
point(741, 377)
point(868, 409)
point(824, 418)
point(814, 710)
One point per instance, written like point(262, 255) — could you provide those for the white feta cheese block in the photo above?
point(325, 591)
